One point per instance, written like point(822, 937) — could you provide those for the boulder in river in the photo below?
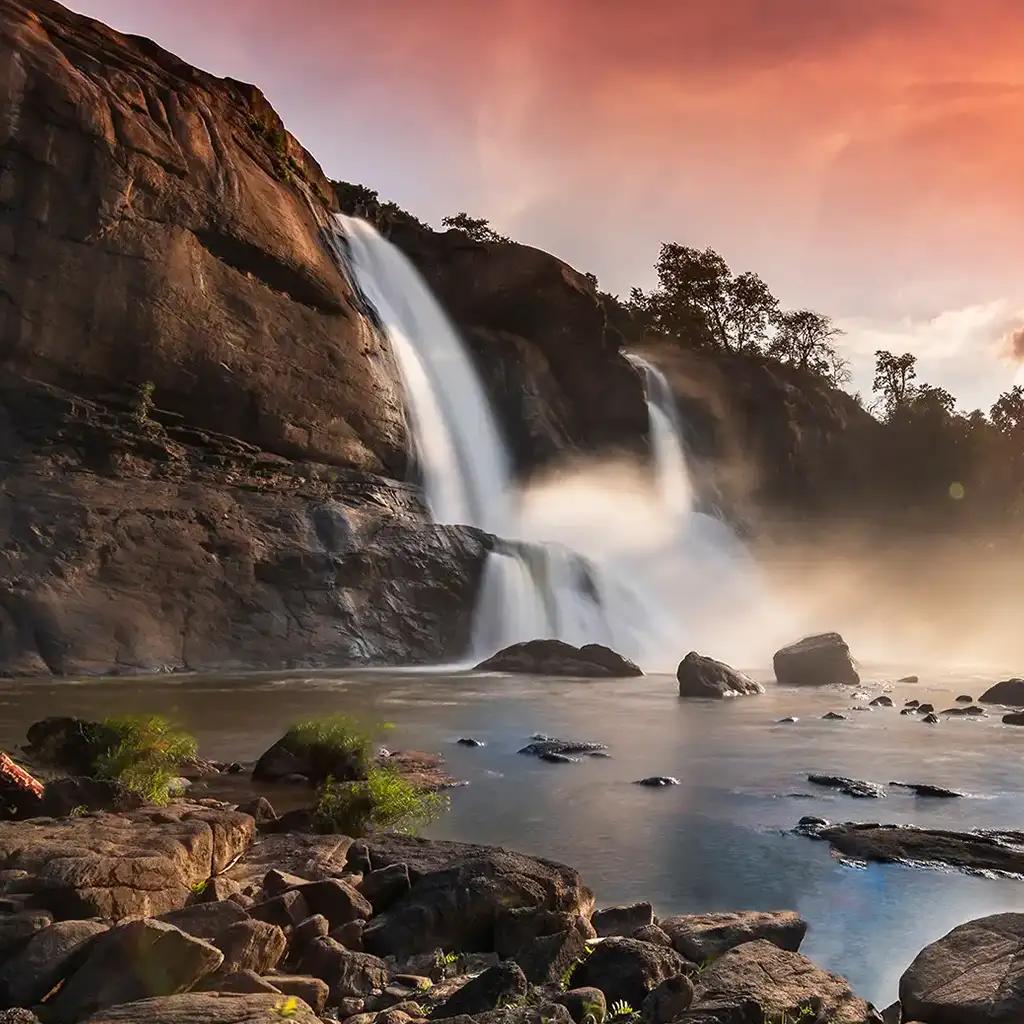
point(1014, 718)
point(703, 937)
point(543, 746)
point(816, 661)
point(851, 787)
point(972, 975)
point(882, 701)
point(557, 658)
point(657, 780)
point(1009, 692)
point(833, 716)
point(926, 789)
point(700, 676)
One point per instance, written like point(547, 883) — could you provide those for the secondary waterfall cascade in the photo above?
point(602, 554)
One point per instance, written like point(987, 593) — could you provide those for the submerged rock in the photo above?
point(965, 698)
point(468, 741)
point(931, 718)
point(851, 787)
point(557, 658)
point(972, 975)
point(881, 702)
point(657, 780)
point(908, 679)
point(816, 661)
point(1009, 691)
point(833, 716)
point(699, 676)
point(925, 789)
point(545, 746)
point(1014, 718)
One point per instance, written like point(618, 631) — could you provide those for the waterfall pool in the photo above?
point(718, 841)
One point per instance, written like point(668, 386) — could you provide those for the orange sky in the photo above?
point(866, 157)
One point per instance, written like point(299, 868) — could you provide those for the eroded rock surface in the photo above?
point(699, 676)
point(816, 661)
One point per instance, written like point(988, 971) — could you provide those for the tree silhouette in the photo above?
point(1008, 412)
point(478, 228)
point(894, 379)
point(803, 339)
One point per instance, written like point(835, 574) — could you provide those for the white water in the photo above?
point(608, 554)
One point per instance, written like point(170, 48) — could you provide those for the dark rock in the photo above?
point(286, 910)
point(17, 929)
point(653, 934)
point(760, 981)
point(542, 746)
point(497, 986)
point(313, 762)
point(251, 945)
point(833, 716)
point(622, 920)
point(925, 709)
point(699, 676)
point(851, 787)
point(517, 927)
point(125, 865)
point(931, 719)
point(276, 882)
point(657, 780)
point(925, 789)
point(62, 796)
point(1009, 692)
point(557, 658)
point(629, 970)
point(132, 961)
point(965, 698)
point(973, 975)
point(335, 899)
point(908, 711)
point(912, 704)
point(206, 1008)
point(975, 711)
point(975, 852)
point(260, 809)
point(703, 937)
point(816, 661)
point(668, 1001)
point(46, 959)
point(908, 679)
point(881, 702)
point(585, 1002)
point(553, 757)
point(347, 973)
point(312, 928)
point(382, 888)
point(350, 935)
point(206, 920)
point(238, 981)
point(1013, 718)
point(788, 720)
point(310, 990)
point(547, 958)
point(468, 741)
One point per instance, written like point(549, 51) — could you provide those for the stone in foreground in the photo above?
point(623, 919)
point(759, 981)
point(699, 676)
point(209, 1008)
point(626, 969)
point(702, 937)
point(973, 975)
point(816, 661)
point(556, 658)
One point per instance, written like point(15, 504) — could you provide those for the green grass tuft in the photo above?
point(383, 800)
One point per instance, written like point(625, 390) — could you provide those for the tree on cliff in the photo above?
point(804, 339)
point(477, 228)
point(1008, 413)
point(894, 379)
point(701, 301)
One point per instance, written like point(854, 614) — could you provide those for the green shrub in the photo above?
point(144, 753)
point(382, 800)
point(335, 746)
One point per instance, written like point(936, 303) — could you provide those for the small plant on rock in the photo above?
point(620, 1010)
point(142, 404)
point(382, 800)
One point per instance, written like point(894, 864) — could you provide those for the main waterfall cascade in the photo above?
point(591, 555)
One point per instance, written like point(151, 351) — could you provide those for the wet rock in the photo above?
point(965, 698)
point(1009, 691)
point(657, 780)
point(908, 711)
point(760, 981)
point(542, 746)
point(881, 702)
point(547, 958)
point(925, 709)
point(46, 959)
point(816, 661)
point(585, 1002)
point(653, 934)
point(315, 762)
point(668, 1001)
point(974, 852)
point(251, 945)
point(382, 888)
point(699, 676)
point(497, 986)
point(972, 975)
point(132, 961)
point(629, 970)
point(1013, 718)
point(833, 716)
point(335, 899)
point(124, 865)
point(703, 937)
point(310, 990)
point(206, 1008)
point(17, 929)
point(788, 720)
point(468, 741)
point(347, 973)
point(908, 679)
point(931, 719)
point(556, 658)
point(912, 704)
point(553, 757)
point(850, 787)
point(925, 789)
point(623, 919)
point(975, 711)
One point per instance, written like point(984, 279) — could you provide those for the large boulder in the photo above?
point(115, 866)
point(622, 919)
point(346, 972)
point(629, 970)
point(759, 981)
point(1009, 692)
point(704, 677)
point(47, 958)
point(134, 960)
point(498, 985)
point(16, 929)
point(557, 658)
point(208, 1008)
point(458, 892)
point(816, 661)
point(973, 975)
point(702, 937)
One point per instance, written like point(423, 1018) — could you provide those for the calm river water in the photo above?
point(718, 841)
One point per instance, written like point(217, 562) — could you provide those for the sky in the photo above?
point(865, 157)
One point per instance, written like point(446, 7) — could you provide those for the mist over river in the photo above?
point(718, 841)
